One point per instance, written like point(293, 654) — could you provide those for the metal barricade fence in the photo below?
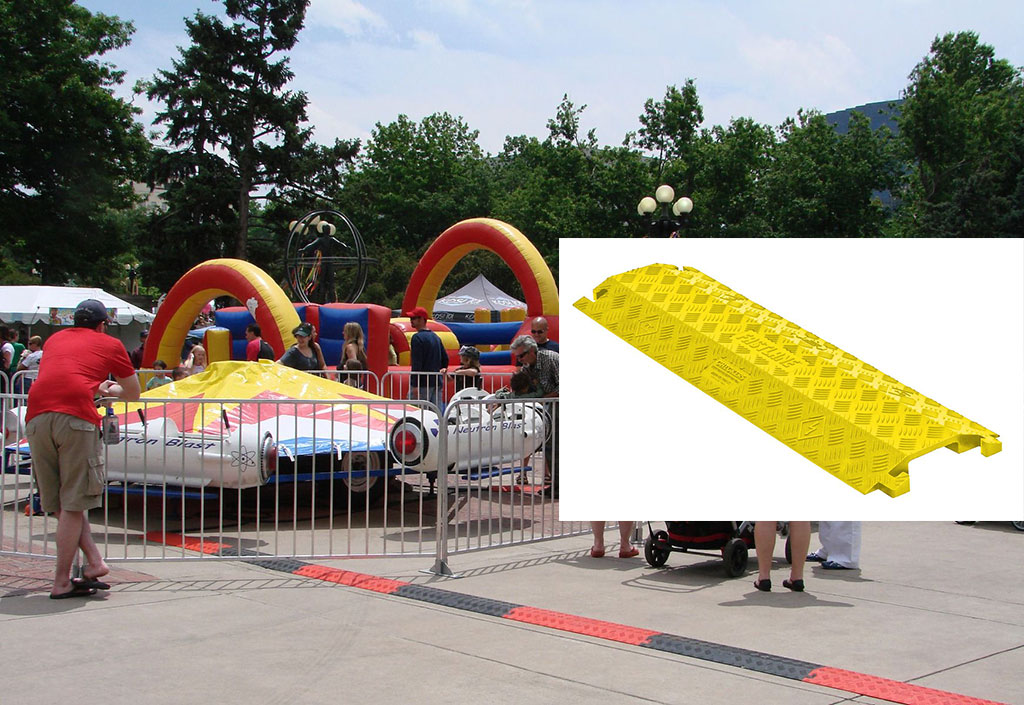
point(366, 380)
point(229, 477)
point(397, 384)
point(504, 473)
point(21, 381)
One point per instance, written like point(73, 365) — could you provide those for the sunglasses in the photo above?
point(536, 330)
point(520, 356)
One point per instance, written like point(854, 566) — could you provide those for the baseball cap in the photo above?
point(418, 312)
point(90, 312)
point(470, 351)
point(304, 329)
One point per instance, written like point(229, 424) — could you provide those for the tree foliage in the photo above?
point(234, 130)
point(732, 165)
point(412, 181)
point(961, 125)
point(68, 147)
point(238, 161)
point(821, 183)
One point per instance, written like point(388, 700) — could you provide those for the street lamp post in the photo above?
point(667, 225)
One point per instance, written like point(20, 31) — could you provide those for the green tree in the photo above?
point(961, 125)
point(231, 124)
point(68, 147)
point(410, 183)
point(198, 221)
point(731, 165)
point(823, 184)
point(670, 127)
point(567, 185)
point(670, 132)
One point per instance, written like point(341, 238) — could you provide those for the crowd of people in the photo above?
point(61, 404)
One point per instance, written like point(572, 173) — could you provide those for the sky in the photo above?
point(504, 65)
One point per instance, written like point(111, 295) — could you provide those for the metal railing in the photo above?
point(397, 384)
point(21, 381)
point(191, 479)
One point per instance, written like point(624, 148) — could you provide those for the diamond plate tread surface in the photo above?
point(581, 625)
point(842, 414)
point(456, 600)
point(351, 579)
point(732, 656)
point(886, 689)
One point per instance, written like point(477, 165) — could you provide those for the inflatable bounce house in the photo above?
point(268, 305)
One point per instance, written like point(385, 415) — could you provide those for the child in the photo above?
point(354, 380)
point(465, 375)
point(158, 378)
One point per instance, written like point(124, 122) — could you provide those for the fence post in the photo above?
point(441, 549)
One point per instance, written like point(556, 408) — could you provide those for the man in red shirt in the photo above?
point(257, 348)
point(62, 427)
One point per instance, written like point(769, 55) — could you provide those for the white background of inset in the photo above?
point(945, 317)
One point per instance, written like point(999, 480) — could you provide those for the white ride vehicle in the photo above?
point(240, 425)
point(485, 435)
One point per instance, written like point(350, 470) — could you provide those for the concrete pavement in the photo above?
point(936, 605)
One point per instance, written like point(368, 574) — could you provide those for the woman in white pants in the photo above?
point(840, 545)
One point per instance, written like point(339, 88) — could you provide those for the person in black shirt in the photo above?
point(428, 358)
point(539, 332)
point(136, 354)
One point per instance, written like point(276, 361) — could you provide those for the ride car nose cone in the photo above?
point(842, 414)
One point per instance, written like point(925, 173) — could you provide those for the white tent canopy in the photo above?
point(480, 293)
point(54, 305)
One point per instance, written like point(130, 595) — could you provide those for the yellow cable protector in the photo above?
point(842, 414)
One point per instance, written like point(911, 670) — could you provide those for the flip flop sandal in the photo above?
point(94, 583)
point(76, 590)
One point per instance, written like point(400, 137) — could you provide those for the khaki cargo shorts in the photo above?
point(67, 461)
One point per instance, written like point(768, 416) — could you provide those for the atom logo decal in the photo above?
point(243, 457)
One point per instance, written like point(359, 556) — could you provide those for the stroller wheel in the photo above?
point(789, 552)
point(735, 555)
point(653, 552)
point(1018, 525)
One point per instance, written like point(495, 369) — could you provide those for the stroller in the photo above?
point(732, 538)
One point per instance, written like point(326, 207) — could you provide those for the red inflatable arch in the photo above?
point(246, 282)
point(456, 242)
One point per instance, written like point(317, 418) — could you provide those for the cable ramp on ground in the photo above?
point(847, 417)
point(771, 664)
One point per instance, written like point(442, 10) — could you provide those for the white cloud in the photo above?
point(425, 39)
point(351, 17)
point(810, 71)
point(504, 64)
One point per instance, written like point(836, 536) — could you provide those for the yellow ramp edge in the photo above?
point(842, 414)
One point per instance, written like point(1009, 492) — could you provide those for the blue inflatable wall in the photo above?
point(485, 333)
point(236, 319)
point(332, 330)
